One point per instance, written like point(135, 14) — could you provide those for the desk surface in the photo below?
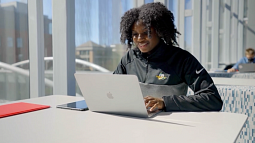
point(55, 125)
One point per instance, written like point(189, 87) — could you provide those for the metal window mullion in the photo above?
point(196, 28)
point(167, 4)
point(181, 6)
point(188, 12)
point(63, 36)
point(227, 26)
point(215, 34)
point(240, 50)
point(36, 48)
point(209, 25)
point(204, 35)
point(162, 1)
point(250, 27)
point(134, 3)
point(139, 3)
point(234, 32)
point(208, 13)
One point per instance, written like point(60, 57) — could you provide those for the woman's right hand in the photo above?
point(154, 103)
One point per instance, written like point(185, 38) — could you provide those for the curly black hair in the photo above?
point(151, 14)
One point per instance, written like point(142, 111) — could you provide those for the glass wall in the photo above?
point(14, 48)
point(97, 34)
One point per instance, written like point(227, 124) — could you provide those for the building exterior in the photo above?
point(14, 33)
point(105, 56)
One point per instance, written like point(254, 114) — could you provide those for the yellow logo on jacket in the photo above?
point(161, 76)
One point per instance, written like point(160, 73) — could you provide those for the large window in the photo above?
point(97, 36)
point(19, 43)
point(14, 77)
point(10, 42)
point(97, 32)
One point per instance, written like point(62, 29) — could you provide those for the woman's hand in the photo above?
point(154, 103)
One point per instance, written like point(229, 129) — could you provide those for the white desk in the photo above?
point(55, 125)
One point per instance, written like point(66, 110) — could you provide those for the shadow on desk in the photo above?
point(164, 114)
point(149, 119)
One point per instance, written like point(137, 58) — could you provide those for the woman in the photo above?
point(165, 71)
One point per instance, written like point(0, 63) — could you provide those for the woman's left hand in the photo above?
point(154, 103)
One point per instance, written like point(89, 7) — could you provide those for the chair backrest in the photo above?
point(239, 99)
point(228, 66)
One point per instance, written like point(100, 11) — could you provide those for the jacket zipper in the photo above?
point(147, 61)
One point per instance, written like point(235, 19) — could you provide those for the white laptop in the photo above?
point(111, 93)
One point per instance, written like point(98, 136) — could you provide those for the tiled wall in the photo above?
point(234, 75)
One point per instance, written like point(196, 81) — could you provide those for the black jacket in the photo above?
point(169, 65)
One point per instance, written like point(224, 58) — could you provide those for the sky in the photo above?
point(94, 20)
point(47, 8)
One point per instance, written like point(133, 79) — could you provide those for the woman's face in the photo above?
point(141, 38)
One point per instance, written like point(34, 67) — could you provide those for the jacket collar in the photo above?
point(156, 54)
point(247, 61)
